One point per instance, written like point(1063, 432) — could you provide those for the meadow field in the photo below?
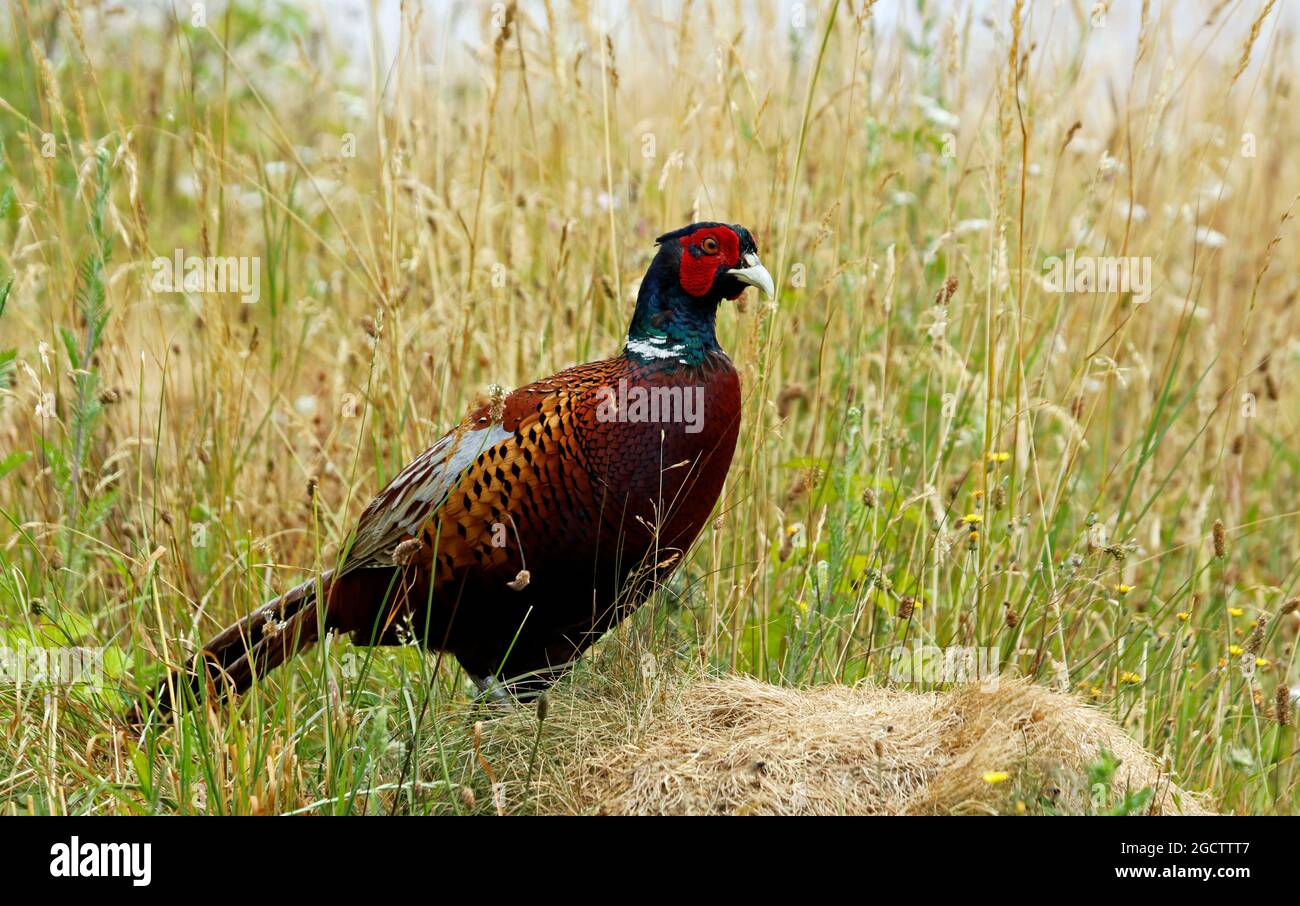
point(1027, 391)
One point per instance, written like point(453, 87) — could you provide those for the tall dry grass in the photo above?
point(937, 449)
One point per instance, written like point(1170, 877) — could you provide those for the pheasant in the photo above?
point(541, 520)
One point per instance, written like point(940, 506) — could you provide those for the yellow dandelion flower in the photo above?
point(1261, 662)
point(1235, 611)
point(1130, 678)
point(972, 519)
point(1183, 615)
point(999, 457)
point(996, 776)
point(803, 606)
point(1124, 589)
point(1236, 650)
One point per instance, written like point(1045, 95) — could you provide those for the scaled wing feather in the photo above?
point(410, 499)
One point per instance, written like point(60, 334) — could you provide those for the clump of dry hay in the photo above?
point(736, 745)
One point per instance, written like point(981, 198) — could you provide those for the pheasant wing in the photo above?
point(416, 493)
point(460, 479)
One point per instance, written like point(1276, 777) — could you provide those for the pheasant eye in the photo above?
point(710, 245)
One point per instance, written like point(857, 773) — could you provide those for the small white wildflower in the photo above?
point(1128, 208)
point(974, 225)
point(941, 117)
point(1212, 238)
point(940, 324)
point(1214, 191)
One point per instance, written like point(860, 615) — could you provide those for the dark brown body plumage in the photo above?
point(594, 510)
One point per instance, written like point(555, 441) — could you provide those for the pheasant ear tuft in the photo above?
point(688, 230)
point(675, 234)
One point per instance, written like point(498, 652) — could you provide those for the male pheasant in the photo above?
point(539, 522)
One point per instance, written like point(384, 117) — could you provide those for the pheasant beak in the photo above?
point(754, 274)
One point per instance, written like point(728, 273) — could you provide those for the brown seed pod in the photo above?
point(788, 397)
point(405, 552)
point(1256, 640)
point(1282, 703)
point(1270, 387)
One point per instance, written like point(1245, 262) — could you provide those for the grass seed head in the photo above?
point(405, 552)
point(1256, 640)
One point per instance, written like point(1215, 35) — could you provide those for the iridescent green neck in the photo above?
point(670, 326)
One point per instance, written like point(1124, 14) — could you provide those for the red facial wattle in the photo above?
point(698, 270)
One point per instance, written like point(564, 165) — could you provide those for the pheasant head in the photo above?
point(695, 268)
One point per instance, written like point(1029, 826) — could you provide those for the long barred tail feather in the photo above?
point(259, 642)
